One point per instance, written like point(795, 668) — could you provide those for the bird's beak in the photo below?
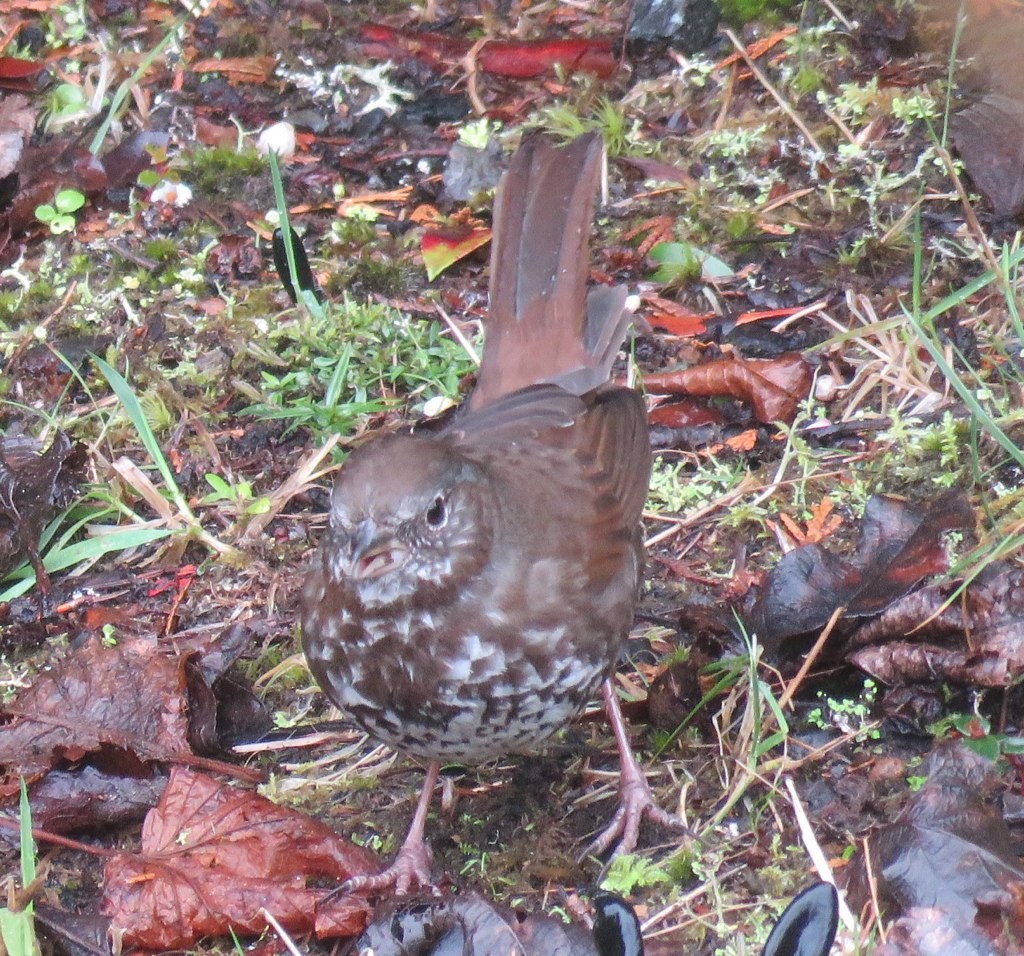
point(373, 553)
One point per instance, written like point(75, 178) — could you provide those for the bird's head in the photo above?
point(407, 516)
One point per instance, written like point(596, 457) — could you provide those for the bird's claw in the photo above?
point(635, 802)
point(410, 871)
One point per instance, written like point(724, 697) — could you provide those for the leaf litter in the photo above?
point(794, 157)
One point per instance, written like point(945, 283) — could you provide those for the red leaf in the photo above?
point(521, 59)
point(441, 248)
point(214, 857)
point(535, 57)
point(15, 73)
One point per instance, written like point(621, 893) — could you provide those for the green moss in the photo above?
point(9, 304)
point(163, 250)
point(42, 291)
point(378, 275)
point(223, 170)
point(353, 232)
point(79, 265)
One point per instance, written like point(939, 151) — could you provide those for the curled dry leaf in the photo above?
point(773, 386)
point(214, 857)
point(948, 860)
point(977, 640)
point(899, 544)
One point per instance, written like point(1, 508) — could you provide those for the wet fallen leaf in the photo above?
point(675, 319)
point(686, 413)
point(214, 857)
point(948, 859)
point(976, 641)
point(70, 933)
point(773, 386)
point(16, 74)
point(133, 155)
point(521, 59)
point(471, 926)
point(88, 705)
point(899, 544)
point(84, 798)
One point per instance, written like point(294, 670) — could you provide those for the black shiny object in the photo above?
point(807, 927)
point(616, 927)
point(304, 278)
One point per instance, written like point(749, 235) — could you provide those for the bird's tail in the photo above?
point(542, 326)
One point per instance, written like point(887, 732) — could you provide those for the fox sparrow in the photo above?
point(475, 585)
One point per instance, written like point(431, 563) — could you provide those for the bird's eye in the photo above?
point(437, 513)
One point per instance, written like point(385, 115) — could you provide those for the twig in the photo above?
point(775, 95)
point(811, 658)
point(814, 851)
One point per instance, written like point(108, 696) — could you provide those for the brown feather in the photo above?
point(540, 326)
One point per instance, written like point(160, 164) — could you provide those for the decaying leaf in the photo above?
point(947, 863)
point(90, 702)
point(470, 926)
point(977, 641)
point(899, 544)
point(84, 798)
point(215, 857)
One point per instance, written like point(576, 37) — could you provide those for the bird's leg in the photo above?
point(635, 798)
point(411, 868)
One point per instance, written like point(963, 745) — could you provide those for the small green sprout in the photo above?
point(60, 216)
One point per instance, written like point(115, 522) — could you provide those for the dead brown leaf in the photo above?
point(214, 857)
point(899, 545)
point(238, 69)
point(948, 854)
point(90, 702)
point(977, 641)
point(773, 386)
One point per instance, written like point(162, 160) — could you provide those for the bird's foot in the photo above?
point(410, 871)
point(635, 798)
point(411, 868)
point(635, 802)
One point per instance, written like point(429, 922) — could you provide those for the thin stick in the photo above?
point(811, 658)
point(775, 95)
